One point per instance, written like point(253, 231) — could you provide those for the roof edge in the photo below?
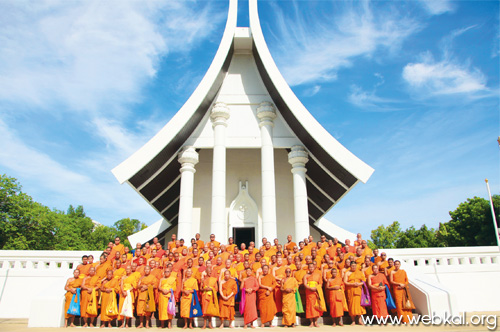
point(139, 159)
point(335, 149)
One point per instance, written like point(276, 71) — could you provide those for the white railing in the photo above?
point(43, 259)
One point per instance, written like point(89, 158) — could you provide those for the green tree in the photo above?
point(100, 237)
point(385, 237)
point(418, 238)
point(471, 224)
point(126, 227)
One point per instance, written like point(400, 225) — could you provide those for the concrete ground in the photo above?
point(489, 324)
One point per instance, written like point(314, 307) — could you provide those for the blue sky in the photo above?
point(410, 87)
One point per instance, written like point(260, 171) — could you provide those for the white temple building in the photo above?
point(242, 152)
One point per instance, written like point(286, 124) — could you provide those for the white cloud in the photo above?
point(444, 77)
point(437, 7)
point(309, 92)
point(369, 101)
point(314, 51)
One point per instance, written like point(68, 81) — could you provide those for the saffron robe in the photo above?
point(129, 283)
point(165, 284)
point(227, 306)
point(209, 298)
point(149, 280)
point(299, 276)
point(84, 270)
point(336, 298)
point(401, 278)
point(288, 299)
point(312, 297)
point(76, 283)
point(279, 273)
point(354, 294)
point(250, 313)
point(102, 270)
point(112, 284)
point(379, 307)
point(290, 245)
point(90, 282)
point(189, 284)
point(267, 306)
point(119, 273)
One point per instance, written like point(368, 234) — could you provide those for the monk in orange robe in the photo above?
point(267, 306)
point(102, 268)
point(188, 287)
point(89, 283)
point(84, 267)
point(312, 282)
point(336, 296)
point(71, 286)
point(290, 245)
point(299, 275)
point(117, 247)
point(353, 280)
point(251, 286)
point(278, 273)
point(383, 263)
point(109, 287)
point(127, 283)
point(228, 290)
point(167, 283)
point(377, 282)
point(289, 286)
point(399, 282)
point(147, 281)
point(209, 302)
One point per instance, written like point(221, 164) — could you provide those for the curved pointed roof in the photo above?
point(153, 170)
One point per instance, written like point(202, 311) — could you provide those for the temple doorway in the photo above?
point(243, 235)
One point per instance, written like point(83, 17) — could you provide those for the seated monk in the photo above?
point(209, 301)
point(228, 291)
point(251, 286)
point(289, 286)
point(71, 286)
point(147, 281)
point(267, 306)
point(376, 283)
point(109, 287)
point(336, 297)
point(167, 284)
point(127, 283)
point(353, 280)
point(312, 283)
point(399, 282)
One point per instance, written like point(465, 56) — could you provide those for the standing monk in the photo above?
point(71, 285)
point(209, 303)
point(336, 296)
point(353, 279)
point(399, 282)
point(89, 283)
point(84, 267)
point(228, 290)
point(109, 285)
point(312, 283)
point(377, 282)
point(188, 287)
point(251, 286)
point(127, 283)
point(289, 286)
point(267, 306)
point(146, 282)
point(167, 284)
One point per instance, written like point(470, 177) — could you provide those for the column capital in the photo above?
point(298, 158)
point(188, 158)
point(219, 114)
point(266, 113)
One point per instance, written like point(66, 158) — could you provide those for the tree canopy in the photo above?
point(29, 225)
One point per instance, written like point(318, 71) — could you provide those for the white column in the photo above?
point(266, 114)
point(188, 158)
point(219, 116)
point(298, 159)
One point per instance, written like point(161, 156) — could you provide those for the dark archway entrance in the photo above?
point(243, 235)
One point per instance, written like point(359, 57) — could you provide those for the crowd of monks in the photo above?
point(326, 277)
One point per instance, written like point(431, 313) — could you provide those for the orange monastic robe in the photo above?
point(336, 298)
point(149, 280)
point(227, 306)
point(401, 278)
point(278, 297)
point(129, 283)
point(267, 306)
point(114, 285)
point(84, 270)
point(165, 284)
point(379, 306)
point(76, 283)
point(250, 313)
point(299, 276)
point(209, 298)
point(90, 282)
point(288, 306)
point(119, 273)
point(289, 246)
point(189, 284)
point(354, 294)
point(102, 269)
point(313, 280)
